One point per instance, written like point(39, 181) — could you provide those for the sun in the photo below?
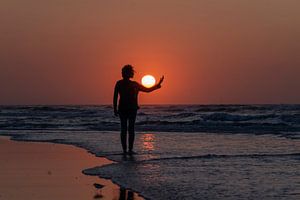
point(148, 81)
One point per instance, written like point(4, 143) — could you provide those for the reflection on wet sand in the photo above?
point(126, 194)
point(117, 194)
point(148, 141)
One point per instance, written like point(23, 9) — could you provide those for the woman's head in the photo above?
point(127, 72)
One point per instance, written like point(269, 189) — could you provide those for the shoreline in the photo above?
point(45, 170)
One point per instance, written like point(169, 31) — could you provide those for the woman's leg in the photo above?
point(123, 135)
point(131, 120)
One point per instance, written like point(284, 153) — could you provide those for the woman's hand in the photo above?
point(160, 81)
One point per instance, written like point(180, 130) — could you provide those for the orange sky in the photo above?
point(213, 51)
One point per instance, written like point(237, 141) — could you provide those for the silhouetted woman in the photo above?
point(128, 104)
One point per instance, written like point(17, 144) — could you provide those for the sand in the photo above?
point(33, 170)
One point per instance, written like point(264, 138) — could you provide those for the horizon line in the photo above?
point(156, 104)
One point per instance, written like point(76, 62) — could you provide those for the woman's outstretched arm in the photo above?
point(155, 87)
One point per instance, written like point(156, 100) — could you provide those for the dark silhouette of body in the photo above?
point(127, 108)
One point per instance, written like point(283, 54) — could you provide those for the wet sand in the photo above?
point(33, 170)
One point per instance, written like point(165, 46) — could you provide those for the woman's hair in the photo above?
point(127, 71)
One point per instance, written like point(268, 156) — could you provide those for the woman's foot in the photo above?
point(130, 152)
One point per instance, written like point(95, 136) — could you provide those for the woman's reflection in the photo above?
point(126, 194)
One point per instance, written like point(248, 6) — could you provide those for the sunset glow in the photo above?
point(181, 99)
point(148, 81)
point(214, 53)
point(148, 140)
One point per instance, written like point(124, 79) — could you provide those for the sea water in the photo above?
point(183, 151)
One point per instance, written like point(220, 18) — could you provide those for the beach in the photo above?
point(183, 152)
point(34, 170)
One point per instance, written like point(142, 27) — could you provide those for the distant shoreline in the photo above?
point(161, 104)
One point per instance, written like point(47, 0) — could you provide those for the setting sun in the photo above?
point(148, 81)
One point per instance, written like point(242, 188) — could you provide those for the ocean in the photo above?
point(183, 151)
